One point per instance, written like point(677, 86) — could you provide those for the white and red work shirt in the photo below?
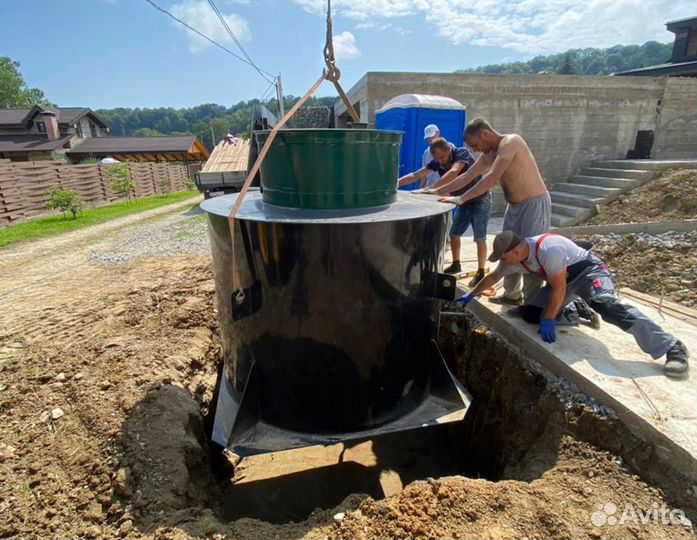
point(547, 257)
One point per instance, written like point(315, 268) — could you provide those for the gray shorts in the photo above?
point(529, 218)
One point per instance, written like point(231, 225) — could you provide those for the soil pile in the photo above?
point(660, 265)
point(671, 197)
point(564, 503)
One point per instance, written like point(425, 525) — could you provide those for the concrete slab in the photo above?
point(607, 365)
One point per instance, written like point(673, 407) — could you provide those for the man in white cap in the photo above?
point(572, 273)
point(431, 133)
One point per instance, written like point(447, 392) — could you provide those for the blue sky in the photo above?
point(110, 53)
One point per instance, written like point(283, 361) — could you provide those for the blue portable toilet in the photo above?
point(410, 114)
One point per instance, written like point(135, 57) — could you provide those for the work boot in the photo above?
point(505, 301)
point(476, 279)
point(585, 312)
point(676, 365)
point(454, 268)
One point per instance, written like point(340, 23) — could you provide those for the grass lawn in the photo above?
point(48, 226)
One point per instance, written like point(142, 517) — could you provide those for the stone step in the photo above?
point(575, 199)
point(605, 181)
point(570, 210)
point(559, 220)
point(646, 164)
point(576, 185)
point(618, 173)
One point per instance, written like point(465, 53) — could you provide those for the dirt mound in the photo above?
point(660, 265)
point(561, 504)
point(671, 197)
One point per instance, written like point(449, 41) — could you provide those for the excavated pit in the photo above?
point(511, 414)
point(521, 424)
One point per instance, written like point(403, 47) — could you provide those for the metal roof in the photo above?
point(30, 143)
point(681, 23)
point(411, 101)
point(13, 116)
point(97, 145)
point(64, 115)
point(669, 68)
point(179, 148)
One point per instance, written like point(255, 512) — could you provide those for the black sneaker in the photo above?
point(585, 312)
point(454, 268)
point(676, 365)
point(476, 279)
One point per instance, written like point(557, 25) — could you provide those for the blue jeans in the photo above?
point(475, 213)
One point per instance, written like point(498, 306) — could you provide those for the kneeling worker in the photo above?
point(572, 272)
point(449, 162)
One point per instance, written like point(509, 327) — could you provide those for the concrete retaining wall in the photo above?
point(567, 120)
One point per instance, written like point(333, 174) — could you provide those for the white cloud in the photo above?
point(345, 46)
point(525, 26)
point(199, 15)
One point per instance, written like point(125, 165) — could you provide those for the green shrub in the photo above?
point(189, 184)
point(65, 200)
point(121, 181)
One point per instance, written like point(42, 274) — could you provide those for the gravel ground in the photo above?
point(184, 233)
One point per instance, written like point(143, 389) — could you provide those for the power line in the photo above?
point(220, 16)
point(162, 10)
point(263, 96)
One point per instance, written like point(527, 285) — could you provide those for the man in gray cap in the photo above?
point(431, 133)
point(572, 272)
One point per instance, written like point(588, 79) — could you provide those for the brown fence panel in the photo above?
point(24, 185)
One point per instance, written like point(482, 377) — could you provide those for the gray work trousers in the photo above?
point(593, 284)
point(528, 218)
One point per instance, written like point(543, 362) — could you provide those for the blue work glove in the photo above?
point(547, 330)
point(465, 299)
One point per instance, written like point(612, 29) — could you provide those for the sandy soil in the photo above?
point(106, 373)
point(671, 197)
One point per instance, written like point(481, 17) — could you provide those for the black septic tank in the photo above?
point(335, 338)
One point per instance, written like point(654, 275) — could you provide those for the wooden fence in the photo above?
point(24, 185)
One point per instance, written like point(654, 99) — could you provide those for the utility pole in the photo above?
point(279, 96)
point(212, 136)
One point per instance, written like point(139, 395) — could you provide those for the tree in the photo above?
point(567, 66)
point(588, 61)
point(220, 127)
point(196, 120)
point(13, 89)
point(65, 200)
point(121, 181)
point(146, 132)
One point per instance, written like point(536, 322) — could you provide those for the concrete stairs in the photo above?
point(574, 200)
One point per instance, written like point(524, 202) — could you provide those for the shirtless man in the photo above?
point(509, 161)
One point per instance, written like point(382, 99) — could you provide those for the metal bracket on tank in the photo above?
point(252, 298)
point(251, 303)
point(240, 426)
point(441, 286)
